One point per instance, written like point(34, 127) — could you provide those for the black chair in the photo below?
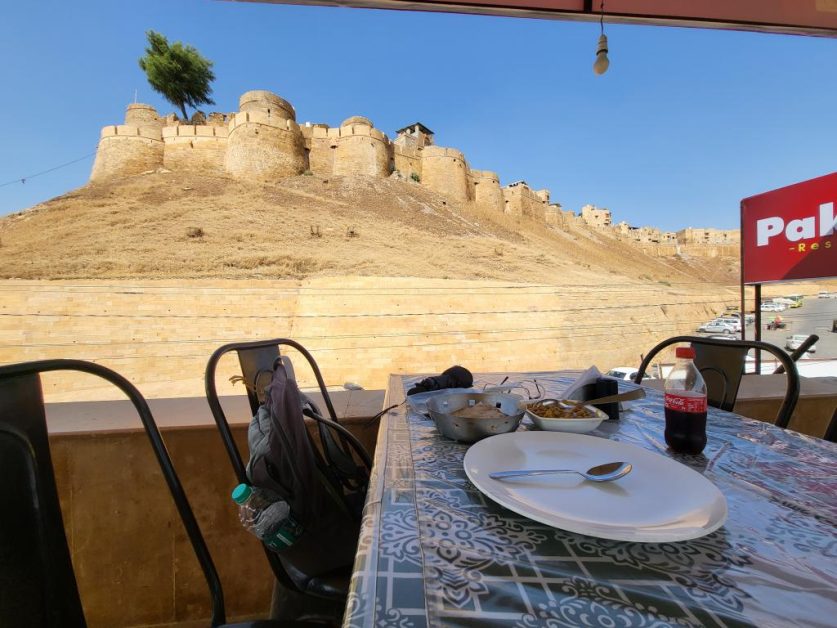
point(340, 449)
point(37, 583)
point(721, 362)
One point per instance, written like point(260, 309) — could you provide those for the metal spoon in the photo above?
point(599, 473)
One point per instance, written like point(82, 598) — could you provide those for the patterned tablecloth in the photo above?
point(435, 552)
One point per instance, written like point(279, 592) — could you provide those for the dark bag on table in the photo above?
point(454, 377)
point(283, 459)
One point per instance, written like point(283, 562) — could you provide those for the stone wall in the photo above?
point(196, 148)
point(444, 170)
point(362, 150)
point(265, 147)
point(487, 192)
point(160, 334)
point(125, 150)
point(407, 159)
point(321, 148)
point(521, 200)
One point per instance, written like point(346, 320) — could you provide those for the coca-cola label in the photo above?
point(685, 403)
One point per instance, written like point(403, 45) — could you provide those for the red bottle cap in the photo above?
point(685, 352)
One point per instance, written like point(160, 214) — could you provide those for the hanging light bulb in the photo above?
point(602, 63)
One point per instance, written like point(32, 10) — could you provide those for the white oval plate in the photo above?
point(661, 500)
point(578, 426)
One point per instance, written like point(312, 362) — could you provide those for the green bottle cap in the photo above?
point(241, 493)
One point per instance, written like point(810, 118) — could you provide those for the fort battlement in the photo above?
point(263, 118)
point(431, 152)
point(485, 175)
point(263, 141)
point(131, 131)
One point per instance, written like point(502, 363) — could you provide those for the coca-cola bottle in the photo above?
point(685, 401)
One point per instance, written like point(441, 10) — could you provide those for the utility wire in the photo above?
point(38, 174)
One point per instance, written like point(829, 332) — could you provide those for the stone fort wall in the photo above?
point(487, 191)
point(262, 141)
point(263, 146)
point(201, 148)
point(127, 149)
point(521, 200)
point(444, 170)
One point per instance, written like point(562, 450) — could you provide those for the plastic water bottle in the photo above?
point(268, 519)
point(685, 405)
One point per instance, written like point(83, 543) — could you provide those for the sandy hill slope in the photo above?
point(181, 225)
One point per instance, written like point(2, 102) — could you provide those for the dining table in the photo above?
point(435, 551)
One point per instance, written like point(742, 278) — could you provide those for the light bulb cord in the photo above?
point(601, 17)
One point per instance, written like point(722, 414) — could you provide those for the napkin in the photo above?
point(590, 376)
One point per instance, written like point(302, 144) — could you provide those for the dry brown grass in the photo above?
point(181, 225)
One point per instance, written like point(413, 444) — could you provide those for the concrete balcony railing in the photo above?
point(133, 561)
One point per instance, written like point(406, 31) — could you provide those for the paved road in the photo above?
point(814, 317)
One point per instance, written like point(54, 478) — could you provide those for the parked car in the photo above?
point(769, 306)
point(823, 294)
point(792, 343)
point(718, 327)
point(626, 373)
point(729, 320)
point(749, 319)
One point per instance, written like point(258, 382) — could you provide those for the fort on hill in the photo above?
point(264, 142)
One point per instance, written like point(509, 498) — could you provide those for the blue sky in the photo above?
point(684, 125)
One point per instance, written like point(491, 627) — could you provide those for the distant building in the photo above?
point(691, 235)
point(596, 217)
point(420, 135)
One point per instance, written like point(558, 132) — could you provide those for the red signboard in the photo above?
point(790, 233)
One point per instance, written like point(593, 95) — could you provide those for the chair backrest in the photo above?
point(721, 362)
point(37, 582)
point(257, 360)
point(41, 570)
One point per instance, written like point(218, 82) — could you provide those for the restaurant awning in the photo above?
point(798, 17)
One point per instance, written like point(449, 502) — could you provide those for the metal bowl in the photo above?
point(469, 430)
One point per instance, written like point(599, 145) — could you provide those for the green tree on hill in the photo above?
point(178, 72)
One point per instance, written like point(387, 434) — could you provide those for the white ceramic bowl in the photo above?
point(577, 426)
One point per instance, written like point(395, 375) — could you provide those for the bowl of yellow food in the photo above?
point(564, 415)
